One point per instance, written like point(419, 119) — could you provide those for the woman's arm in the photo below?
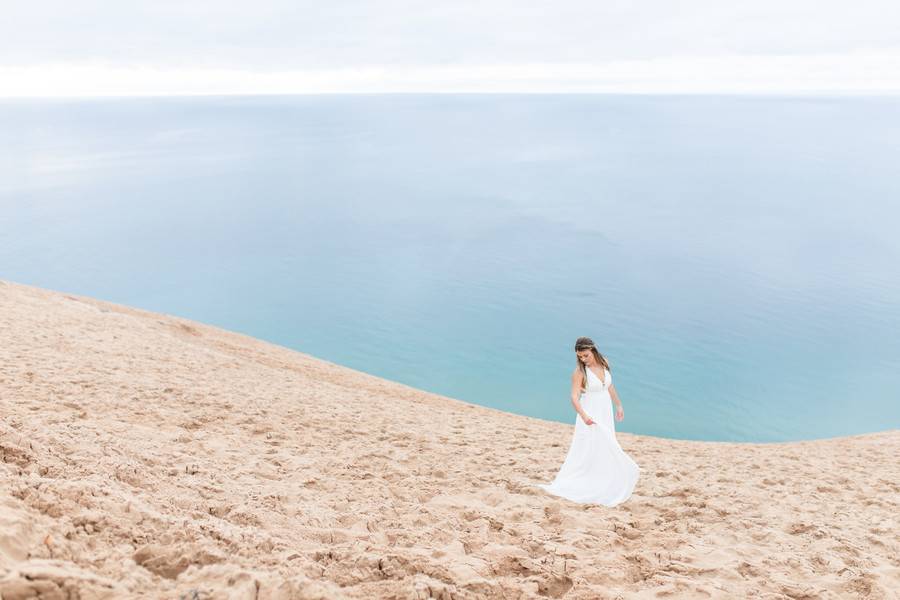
point(620, 412)
point(577, 378)
point(615, 395)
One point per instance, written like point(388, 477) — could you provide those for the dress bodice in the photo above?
point(594, 383)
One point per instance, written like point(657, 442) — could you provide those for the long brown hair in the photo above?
point(586, 343)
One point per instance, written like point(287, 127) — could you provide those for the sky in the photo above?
point(111, 48)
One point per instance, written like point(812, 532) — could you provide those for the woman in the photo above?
point(596, 469)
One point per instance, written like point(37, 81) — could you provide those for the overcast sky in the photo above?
point(98, 47)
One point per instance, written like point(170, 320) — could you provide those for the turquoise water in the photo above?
point(736, 258)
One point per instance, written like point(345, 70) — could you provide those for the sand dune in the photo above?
point(146, 456)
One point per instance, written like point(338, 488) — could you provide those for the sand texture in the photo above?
point(147, 456)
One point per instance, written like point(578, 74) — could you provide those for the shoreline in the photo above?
point(105, 305)
point(147, 455)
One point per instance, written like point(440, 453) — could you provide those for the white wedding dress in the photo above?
point(596, 470)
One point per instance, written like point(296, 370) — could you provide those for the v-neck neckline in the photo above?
point(603, 380)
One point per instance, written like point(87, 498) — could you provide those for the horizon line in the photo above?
point(770, 93)
point(865, 73)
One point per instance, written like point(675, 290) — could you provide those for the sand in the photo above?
point(148, 456)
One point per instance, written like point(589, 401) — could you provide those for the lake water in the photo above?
point(736, 258)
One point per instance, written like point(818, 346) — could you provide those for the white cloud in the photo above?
point(129, 47)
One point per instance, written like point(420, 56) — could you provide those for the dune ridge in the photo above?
point(149, 456)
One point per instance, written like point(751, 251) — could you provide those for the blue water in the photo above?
point(735, 258)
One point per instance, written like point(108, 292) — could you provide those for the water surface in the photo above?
point(734, 257)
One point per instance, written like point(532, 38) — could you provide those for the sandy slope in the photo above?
point(147, 456)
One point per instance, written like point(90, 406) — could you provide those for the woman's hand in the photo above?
point(620, 413)
point(587, 419)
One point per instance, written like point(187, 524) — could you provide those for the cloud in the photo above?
point(127, 47)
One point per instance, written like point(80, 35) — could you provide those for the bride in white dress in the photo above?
point(596, 470)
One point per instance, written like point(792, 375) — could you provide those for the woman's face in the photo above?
point(585, 356)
